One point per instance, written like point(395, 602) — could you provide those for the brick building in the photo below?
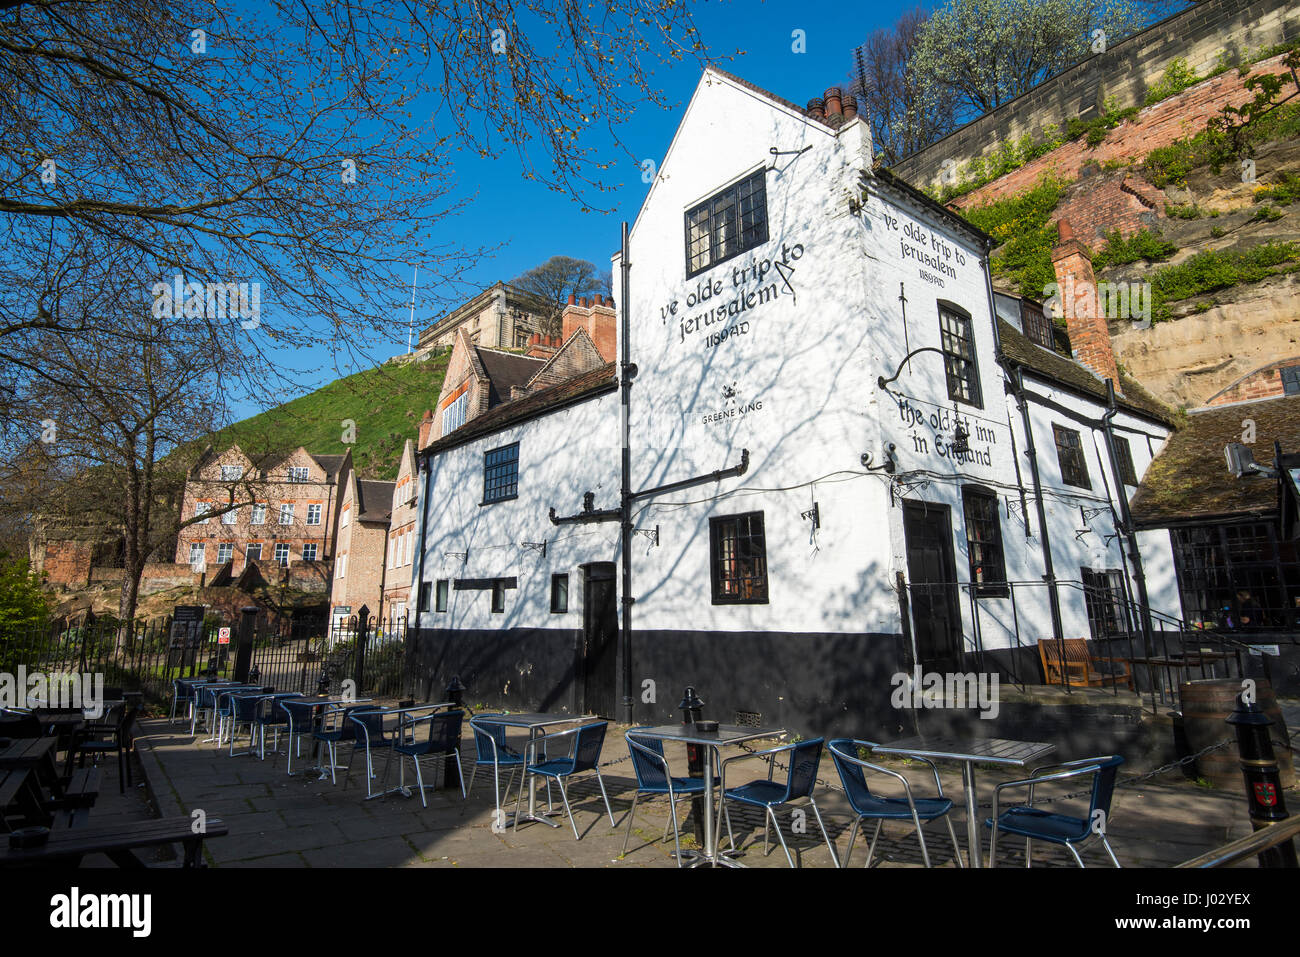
point(359, 566)
point(277, 508)
point(399, 555)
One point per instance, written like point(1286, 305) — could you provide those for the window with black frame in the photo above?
point(1037, 326)
point(1290, 380)
point(559, 594)
point(444, 589)
point(957, 339)
point(1069, 453)
point(738, 552)
point(1124, 459)
point(727, 224)
point(1103, 595)
point(501, 474)
point(984, 542)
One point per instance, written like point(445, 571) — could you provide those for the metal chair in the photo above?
point(589, 740)
point(804, 758)
point(243, 710)
point(869, 806)
point(182, 693)
point(337, 727)
point(371, 736)
point(101, 738)
point(654, 777)
point(1036, 824)
point(302, 719)
point(490, 745)
point(271, 715)
point(443, 742)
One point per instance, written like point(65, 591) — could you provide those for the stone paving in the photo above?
point(278, 821)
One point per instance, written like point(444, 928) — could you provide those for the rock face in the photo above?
point(1186, 361)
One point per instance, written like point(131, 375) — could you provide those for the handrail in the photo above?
point(1248, 846)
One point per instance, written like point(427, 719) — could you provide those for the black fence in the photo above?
point(299, 653)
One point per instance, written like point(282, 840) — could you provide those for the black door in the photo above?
point(936, 614)
point(599, 637)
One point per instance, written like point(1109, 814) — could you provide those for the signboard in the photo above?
point(223, 636)
point(187, 626)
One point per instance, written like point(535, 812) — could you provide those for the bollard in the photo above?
point(455, 693)
point(692, 708)
point(1263, 785)
point(323, 685)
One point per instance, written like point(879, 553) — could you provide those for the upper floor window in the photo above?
point(298, 473)
point(313, 514)
point(957, 340)
point(345, 517)
point(225, 552)
point(309, 552)
point(1290, 380)
point(232, 473)
point(201, 509)
point(282, 553)
point(1069, 452)
point(259, 514)
point(1038, 328)
point(444, 587)
point(738, 559)
point(726, 224)
point(453, 416)
point(286, 514)
point(196, 554)
point(559, 594)
point(501, 474)
point(253, 552)
point(1124, 459)
point(230, 517)
point(984, 541)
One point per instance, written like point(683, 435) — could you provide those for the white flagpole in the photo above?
point(410, 329)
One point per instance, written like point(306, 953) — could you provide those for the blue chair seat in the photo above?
point(897, 809)
point(1043, 825)
point(760, 793)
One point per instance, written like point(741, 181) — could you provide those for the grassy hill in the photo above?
point(385, 404)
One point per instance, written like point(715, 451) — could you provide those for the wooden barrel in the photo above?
point(1206, 706)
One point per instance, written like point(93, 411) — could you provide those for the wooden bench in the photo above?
point(119, 841)
point(1079, 669)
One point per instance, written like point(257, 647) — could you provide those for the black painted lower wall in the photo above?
point(812, 684)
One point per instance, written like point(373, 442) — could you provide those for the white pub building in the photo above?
point(848, 456)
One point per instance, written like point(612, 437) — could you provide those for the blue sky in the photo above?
point(532, 223)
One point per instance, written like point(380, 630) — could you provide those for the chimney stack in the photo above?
point(426, 426)
point(817, 108)
point(1077, 291)
point(600, 320)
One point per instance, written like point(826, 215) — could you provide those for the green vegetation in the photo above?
point(1020, 226)
point(1186, 211)
point(1146, 244)
point(1095, 130)
point(385, 403)
point(1219, 269)
point(1218, 232)
point(1212, 148)
point(1268, 214)
point(1177, 77)
point(23, 604)
point(1285, 192)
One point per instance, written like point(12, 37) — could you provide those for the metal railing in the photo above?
point(1249, 846)
point(1175, 645)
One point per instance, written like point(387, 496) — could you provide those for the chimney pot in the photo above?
point(850, 107)
point(816, 108)
point(832, 97)
point(571, 299)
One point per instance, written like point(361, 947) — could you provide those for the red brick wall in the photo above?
point(67, 562)
point(1265, 383)
point(600, 321)
point(1120, 199)
point(1089, 335)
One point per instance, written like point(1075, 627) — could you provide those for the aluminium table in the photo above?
point(402, 724)
point(1017, 754)
point(710, 742)
point(337, 702)
point(534, 722)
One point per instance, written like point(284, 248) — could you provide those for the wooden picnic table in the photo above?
point(20, 798)
point(119, 841)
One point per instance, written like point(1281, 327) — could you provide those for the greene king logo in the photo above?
point(57, 691)
point(208, 300)
point(77, 910)
point(1106, 300)
point(950, 690)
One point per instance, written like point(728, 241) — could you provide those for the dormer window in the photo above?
point(298, 473)
point(727, 224)
point(232, 473)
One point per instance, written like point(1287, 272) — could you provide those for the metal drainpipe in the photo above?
point(625, 498)
point(1049, 573)
point(1130, 535)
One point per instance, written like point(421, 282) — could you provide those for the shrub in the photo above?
point(1219, 269)
point(1177, 77)
point(1019, 224)
point(1145, 244)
